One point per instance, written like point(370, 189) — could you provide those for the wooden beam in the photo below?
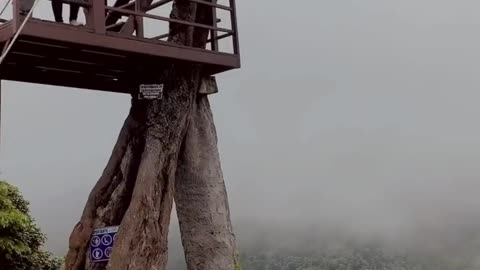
point(72, 53)
point(115, 27)
point(222, 36)
point(213, 33)
point(233, 16)
point(66, 79)
point(59, 63)
point(98, 14)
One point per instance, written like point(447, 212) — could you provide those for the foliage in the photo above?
point(20, 239)
point(367, 259)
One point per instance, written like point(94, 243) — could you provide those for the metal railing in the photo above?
point(129, 18)
point(137, 14)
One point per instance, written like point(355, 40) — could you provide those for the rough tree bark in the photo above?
point(200, 194)
point(201, 197)
point(136, 189)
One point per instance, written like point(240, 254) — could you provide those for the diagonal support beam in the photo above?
point(129, 26)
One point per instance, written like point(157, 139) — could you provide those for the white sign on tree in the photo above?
point(150, 91)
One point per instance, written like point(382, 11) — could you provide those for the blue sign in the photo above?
point(101, 244)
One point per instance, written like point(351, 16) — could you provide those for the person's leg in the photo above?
point(57, 7)
point(74, 9)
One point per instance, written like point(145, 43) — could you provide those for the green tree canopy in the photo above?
point(20, 238)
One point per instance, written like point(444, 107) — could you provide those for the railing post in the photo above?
point(213, 33)
point(97, 16)
point(139, 19)
point(233, 16)
point(16, 15)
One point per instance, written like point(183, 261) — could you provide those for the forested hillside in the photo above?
point(368, 259)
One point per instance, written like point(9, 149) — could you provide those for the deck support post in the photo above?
point(97, 16)
point(139, 19)
point(214, 33)
point(16, 15)
point(233, 18)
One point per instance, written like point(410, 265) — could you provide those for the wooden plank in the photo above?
point(66, 79)
point(72, 53)
point(30, 60)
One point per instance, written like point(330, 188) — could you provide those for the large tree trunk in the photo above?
point(201, 197)
point(136, 188)
point(200, 194)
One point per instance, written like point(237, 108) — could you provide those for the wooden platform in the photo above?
point(64, 55)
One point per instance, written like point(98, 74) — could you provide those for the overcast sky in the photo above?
point(359, 113)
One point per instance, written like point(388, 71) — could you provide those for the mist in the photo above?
point(348, 121)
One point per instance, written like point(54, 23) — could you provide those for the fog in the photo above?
point(348, 120)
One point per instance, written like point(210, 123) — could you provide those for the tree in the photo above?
point(20, 238)
point(141, 180)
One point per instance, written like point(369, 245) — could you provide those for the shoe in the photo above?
point(75, 23)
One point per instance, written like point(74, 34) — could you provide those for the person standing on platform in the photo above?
point(57, 6)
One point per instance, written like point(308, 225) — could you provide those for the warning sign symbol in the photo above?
point(101, 244)
point(97, 254)
point(106, 240)
point(95, 241)
point(108, 252)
